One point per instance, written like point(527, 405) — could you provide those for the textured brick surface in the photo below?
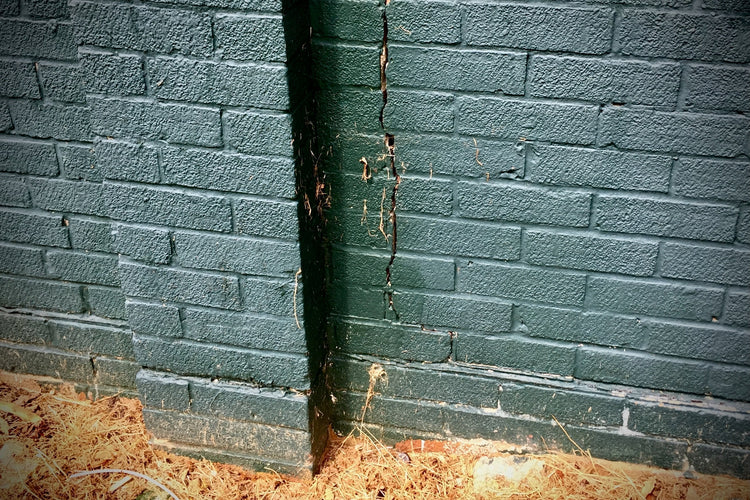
point(55, 121)
point(719, 88)
point(258, 38)
point(718, 180)
point(27, 157)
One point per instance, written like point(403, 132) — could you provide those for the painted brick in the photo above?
point(641, 370)
point(45, 230)
point(576, 326)
point(143, 28)
point(609, 80)
point(163, 391)
point(258, 133)
point(385, 411)
point(79, 163)
point(452, 312)
point(23, 328)
point(586, 31)
point(248, 5)
point(729, 5)
point(27, 157)
point(592, 253)
point(243, 255)
point(62, 83)
point(385, 341)
point(682, 36)
point(472, 423)
point(737, 310)
point(655, 298)
point(168, 207)
point(509, 119)
point(512, 203)
point(743, 226)
point(350, 20)
point(408, 271)
point(244, 402)
point(419, 111)
point(6, 121)
point(270, 334)
point(257, 38)
point(47, 8)
point(686, 133)
point(14, 192)
point(115, 372)
point(720, 460)
point(18, 80)
point(46, 120)
point(354, 110)
point(69, 196)
point(666, 218)
point(191, 358)
point(450, 69)
point(565, 166)
point(175, 285)
point(154, 319)
point(36, 294)
point(272, 296)
point(344, 64)
point(431, 196)
point(142, 243)
point(229, 172)
point(266, 218)
point(261, 86)
point(86, 234)
point(520, 283)
point(45, 361)
point(699, 263)
point(113, 74)
point(83, 267)
point(724, 88)
point(720, 180)
point(10, 8)
point(708, 342)
point(48, 40)
point(730, 382)
point(127, 161)
point(516, 352)
point(155, 121)
point(92, 339)
point(106, 302)
point(347, 300)
point(424, 22)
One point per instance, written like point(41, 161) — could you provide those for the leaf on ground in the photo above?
point(20, 412)
point(648, 486)
point(4, 427)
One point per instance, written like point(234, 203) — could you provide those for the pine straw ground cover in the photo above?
point(47, 434)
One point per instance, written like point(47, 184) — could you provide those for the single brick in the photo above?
point(275, 219)
point(720, 180)
point(168, 207)
point(723, 88)
point(24, 329)
point(163, 391)
point(106, 302)
point(87, 234)
point(116, 372)
point(112, 74)
point(47, 8)
point(654, 298)
point(156, 121)
point(91, 339)
point(14, 192)
point(127, 161)
point(511, 119)
point(223, 171)
point(513, 203)
point(728, 5)
point(344, 64)
point(6, 120)
point(348, 19)
point(407, 271)
point(727, 266)
point(142, 28)
point(36, 294)
point(79, 163)
point(357, 302)
point(419, 111)
point(247, 5)
point(473, 423)
point(641, 370)
point(62, 83)
point(520, 283)
point(69, 196)
point(452, 312)
point(10, 8)
point(272, 296)
point(418, 415)
point(517, 353)
point(48, 230)
point(666, 218)
point(192, 358)
point(258, 133)
point(256, 37)
point(142, 243)
point(37, 360)
point(566, 166)
point(592, 253)
point(261, 86)
point(737, 309)
point(586, 31)
point(18, 80)
point(743, 226)
point(22, 260)
point(680, 35)
point(47, 120)
point(730, 382)
point(708, 342)
point(604, 80)
point(723, 460)
point(386, 341)
point(154, 319)
point(43, 39)
point(357, 110)
point(27, 157)
point(687, 133)
point(175, 285)
point(450, 69)
point(83, 267)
